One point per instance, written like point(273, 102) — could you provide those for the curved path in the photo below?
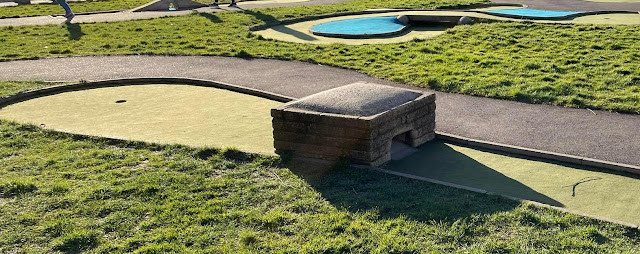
point(593, 134)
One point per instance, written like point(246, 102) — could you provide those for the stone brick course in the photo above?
point(363, 134)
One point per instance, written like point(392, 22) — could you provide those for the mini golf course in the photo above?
point(182, 114)
point(204, 116)
point(381, 27)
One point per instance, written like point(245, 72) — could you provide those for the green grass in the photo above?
point(12, 87)
point(584, 66)
point(29, 10)
point(60, 192)
point(78, 7)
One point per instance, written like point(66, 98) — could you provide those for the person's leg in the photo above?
point(215, 4)
point(65, 6)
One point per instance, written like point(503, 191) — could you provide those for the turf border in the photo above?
point(577, 160)
point(481, 191)
point(32, 94)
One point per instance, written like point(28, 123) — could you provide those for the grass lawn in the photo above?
point(77, 7)
point(66, 193)
point(586, 66)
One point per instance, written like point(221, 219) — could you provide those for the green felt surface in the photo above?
point(182, 114)
point(602, 194)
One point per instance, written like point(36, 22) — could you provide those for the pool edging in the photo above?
point(565, 17)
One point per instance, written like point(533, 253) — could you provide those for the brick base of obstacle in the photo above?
point(356, 122)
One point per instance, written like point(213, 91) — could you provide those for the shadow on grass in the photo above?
point(211, 17)
point(280, 28)
point(358, 190)
point(362, 190)
point(75, 31)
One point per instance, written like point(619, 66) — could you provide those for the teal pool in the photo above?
point(533, 13)
point(360, 27)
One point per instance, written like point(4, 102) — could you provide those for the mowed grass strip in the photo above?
point(65, 193)
point(53, 8)
point(584, 66)
point(8, 87)
point(110, 5)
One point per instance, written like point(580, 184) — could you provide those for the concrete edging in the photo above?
point(481, 191)
point(22, 96)
point(565, 17)
point(577, 160)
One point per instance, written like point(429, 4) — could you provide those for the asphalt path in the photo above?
point(594, 134)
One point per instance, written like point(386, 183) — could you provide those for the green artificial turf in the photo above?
point(585, 66)
point(169, 114)
point(60, 192)
point(598, 193)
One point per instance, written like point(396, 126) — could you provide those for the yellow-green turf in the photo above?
point(191, 115)
point(607, 195)
point(300, 32)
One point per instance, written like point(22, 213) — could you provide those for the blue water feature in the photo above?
point(526, 12)
point(360, 26)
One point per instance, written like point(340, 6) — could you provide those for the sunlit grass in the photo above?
point(585, 66)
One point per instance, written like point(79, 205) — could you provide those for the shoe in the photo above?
point(69, 16)
point(233, 4)
point(214, 5)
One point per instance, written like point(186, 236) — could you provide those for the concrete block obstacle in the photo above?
point(167, 5)
point(357, 122)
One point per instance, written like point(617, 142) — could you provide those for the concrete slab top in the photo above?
point(357, 99)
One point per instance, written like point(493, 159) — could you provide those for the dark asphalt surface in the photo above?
point(574, 5)
point(598, 134)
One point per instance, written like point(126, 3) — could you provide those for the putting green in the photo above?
point(183, 114)
point(600, 193)
point(300, 32)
